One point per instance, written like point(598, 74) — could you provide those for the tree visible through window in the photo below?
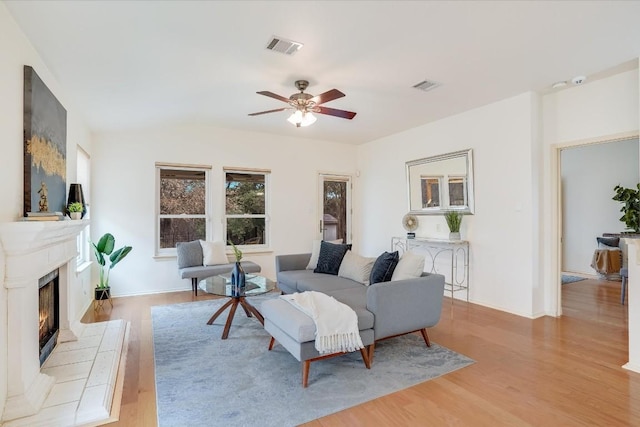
point(430, 192)
point(457, 193)
point(183, 206)
point(246, 207)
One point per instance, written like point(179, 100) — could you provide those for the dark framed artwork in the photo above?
point(45, 147)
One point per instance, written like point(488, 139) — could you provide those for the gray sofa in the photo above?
point(385, 309)
point(190, 264)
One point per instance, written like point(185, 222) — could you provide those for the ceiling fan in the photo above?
point(304, 105)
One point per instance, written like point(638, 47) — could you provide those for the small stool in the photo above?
point(624, 273)
point(296, 332)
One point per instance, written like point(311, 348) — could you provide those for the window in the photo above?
point(430, 192)
point(246, 207)
point(83, 173)
point(457, 191)
point(182, 205)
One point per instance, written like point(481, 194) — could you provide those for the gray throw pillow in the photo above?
point(330, 258)
point(383, 268)
point(189, 254)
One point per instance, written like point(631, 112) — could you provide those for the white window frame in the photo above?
point(160, 252)
point(83, 177)
point(440, 195)
point(464, 192)
point(267, 209)
point(326, 176)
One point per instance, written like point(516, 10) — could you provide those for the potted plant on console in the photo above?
point(103, 251)
point(454, 219)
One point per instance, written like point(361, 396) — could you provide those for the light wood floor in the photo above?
point(545, 372)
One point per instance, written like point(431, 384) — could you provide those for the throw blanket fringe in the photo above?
point(336, 323)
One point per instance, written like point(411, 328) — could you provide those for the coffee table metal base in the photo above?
point(234, 302)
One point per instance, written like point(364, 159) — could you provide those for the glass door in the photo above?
point(335, 207)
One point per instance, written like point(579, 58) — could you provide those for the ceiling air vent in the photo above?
point(288, 47)
point(426, 85)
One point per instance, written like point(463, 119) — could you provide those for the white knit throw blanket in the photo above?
point(336, 323)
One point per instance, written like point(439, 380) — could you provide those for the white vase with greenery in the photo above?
point(454, 220)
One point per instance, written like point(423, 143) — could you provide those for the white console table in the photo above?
point(452, 255)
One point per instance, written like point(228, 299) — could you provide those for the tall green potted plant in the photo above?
point(630, 199)
point(454, 220)
point(103, 251)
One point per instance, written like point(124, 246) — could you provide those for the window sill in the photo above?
point(82, 267)
point(230, 254)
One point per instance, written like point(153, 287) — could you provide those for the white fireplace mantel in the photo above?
point(31, 249)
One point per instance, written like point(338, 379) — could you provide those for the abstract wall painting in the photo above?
point(45, 147)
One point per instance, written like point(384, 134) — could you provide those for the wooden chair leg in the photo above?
point(372, 348)
point(423, 331)
point(271, 343)
point(365, 357)
point(305, 372)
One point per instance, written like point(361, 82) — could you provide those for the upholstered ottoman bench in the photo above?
point(295, 331)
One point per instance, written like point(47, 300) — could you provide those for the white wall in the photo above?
point(501, 232)
point(17, 51)
point(602, 110)
point(589, 174)
point(123, 196)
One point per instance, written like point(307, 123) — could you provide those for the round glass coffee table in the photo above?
point(221, 285)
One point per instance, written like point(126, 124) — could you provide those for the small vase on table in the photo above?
point(238, 280)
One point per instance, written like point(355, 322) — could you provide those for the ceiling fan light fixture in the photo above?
point(302, 119)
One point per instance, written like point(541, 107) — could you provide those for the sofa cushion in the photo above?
point(214, 253)
point(382, 270)
point(356, 267)
point(189, 254)
point(410, 266)
point(325, 283)
point(288, 280)
point(315, 253)
point(292, 321)
point(330, 257)
point(202, 272)
point(356, 298)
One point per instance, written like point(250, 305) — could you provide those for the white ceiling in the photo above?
point(129, 64)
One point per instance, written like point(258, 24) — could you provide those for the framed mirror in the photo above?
point(441, 183)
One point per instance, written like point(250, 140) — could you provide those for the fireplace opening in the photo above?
point(49, 302)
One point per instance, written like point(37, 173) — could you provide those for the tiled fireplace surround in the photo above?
point(28, 251)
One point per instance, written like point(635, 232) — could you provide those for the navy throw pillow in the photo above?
point(609, 241)
point(330, 258)
point(383, 267)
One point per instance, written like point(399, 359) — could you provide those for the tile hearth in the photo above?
point(86, 378)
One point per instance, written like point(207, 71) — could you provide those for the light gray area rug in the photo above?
point(202, 380)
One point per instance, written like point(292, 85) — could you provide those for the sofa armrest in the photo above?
point(406, 305)
point(292, 262)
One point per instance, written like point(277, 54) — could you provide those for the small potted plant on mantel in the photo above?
point(75, 210)
point(103, 251)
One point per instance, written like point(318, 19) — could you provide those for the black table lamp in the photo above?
point(76, 195)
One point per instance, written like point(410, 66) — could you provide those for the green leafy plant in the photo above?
point(630, 199)
point(75, 207)
point(103, 251)
point(454, 219)
point(237, 252)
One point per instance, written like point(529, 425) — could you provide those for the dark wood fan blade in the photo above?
point(338, 113)
point(273, 95)
point(269, 111)
point(329, 95)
